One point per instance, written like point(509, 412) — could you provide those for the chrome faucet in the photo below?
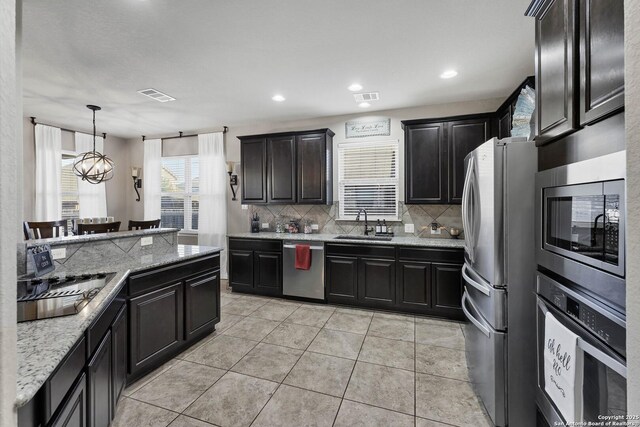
point(366, 221)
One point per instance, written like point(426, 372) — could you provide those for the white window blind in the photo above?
point(368, 179)
point(180, 182)
point(69, 189)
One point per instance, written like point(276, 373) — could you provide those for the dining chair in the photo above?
point(144, 225)
point(44, 229)
point(105, 227)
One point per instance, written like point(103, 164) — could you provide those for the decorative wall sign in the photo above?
point(362, 128)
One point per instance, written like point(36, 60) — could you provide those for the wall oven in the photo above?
point(601, 339)
point(581, 225)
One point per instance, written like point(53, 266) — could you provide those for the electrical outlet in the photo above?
point(245, 207)
point(59, 253)
point(265, 225)
point(146, 241)
point(409, 228)
point(435, 229)
point(314, 226)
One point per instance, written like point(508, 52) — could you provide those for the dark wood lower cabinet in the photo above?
point(267, 272)
point(377, 282)
point(100, 393)
point(155, 326)
point(341, 279)
point(241, 270)
point(119, 354)
point(255, 266)
point(414, 285)
point(202, 304)
point(447, 287)
point(74, 412)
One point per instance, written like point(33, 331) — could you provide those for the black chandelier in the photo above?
point(93, 166)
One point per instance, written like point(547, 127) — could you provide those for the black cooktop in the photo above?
point(56, 296)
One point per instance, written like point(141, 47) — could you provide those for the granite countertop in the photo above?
point(42, 344)
point(396, 241)
point(66, 240)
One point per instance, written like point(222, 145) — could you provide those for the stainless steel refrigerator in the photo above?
point(498, 205)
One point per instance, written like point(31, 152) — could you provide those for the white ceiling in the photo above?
point(224, 60)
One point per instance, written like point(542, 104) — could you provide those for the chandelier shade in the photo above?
point(93, 166)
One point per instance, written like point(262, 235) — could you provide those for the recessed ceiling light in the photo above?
point(448, 74)
point(364, 105)
point(278, 98)
point(355, 87)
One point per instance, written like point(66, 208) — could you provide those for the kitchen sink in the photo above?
point(373, 238)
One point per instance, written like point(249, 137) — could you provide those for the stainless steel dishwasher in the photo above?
point(303, 283)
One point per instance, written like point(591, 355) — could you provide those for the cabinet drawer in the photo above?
point(255, 245)
point(103, 322)
point(63, 378)
point(156, 278)
point(377, 251)
point(453, 255)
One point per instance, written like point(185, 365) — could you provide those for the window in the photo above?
point(69, 189)
point(180, 181)
point(368, 179)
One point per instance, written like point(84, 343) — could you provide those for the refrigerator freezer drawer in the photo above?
point(486, 353)
point(490, 302)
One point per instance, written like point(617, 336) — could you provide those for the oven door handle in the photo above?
point(479, 286)
point(476, 322)
point(599, 355)
point(313, 248)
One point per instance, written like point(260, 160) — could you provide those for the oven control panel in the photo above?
point(603, 322)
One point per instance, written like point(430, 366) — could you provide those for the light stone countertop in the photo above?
point(67, 240)
point(396, 241)
point(42, 344)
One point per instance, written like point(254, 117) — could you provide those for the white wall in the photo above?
point(10, 113)
point(632, 121)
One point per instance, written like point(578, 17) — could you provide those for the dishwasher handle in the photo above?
point(313, 248)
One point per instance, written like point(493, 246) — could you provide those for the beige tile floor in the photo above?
point(274, 362)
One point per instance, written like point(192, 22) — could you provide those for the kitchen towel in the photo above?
point(563, 367)
point(303, 257)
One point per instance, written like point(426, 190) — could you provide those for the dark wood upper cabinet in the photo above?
point(253, 161)
point(425, 164)
point(601, 59)
point(463, 137)
point(291, 167)
point(504, 123)
point(281, 169)
point(314, 186)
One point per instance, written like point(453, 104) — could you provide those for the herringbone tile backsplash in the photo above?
point(421, 216)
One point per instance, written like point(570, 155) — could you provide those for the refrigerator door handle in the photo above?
point(466, 220)
point(485, 289)
point(477, 323)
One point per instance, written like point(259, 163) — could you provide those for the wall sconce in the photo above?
point(233, 179)
point(137, 181)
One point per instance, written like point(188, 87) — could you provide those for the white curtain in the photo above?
point(212, 222)
point(152, 178)
point(91, 197)
point(48, 173)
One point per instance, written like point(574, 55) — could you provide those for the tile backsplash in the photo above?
point(421, 216)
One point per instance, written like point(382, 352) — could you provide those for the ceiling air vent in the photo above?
point(157, 95)
point(366, 96)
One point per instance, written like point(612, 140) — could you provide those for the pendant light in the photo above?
point(93, 166)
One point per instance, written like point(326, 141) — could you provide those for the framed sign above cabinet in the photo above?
point(363, 128)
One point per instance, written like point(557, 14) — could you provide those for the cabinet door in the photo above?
point(74, 410)
point(253, 161)
point(377, 282)
point(281, 169)
point(342, 279)
point(156, 326)
point(201, 304)
point(463, 137)
point(447, 286)
point(414, 285)
point(312, 165)
point(601, 58)
point(100, 377)
point(268, 273)
point(504, 123)
point(425, 164)
point(119, 355)
point(241, 270)
point(555, 92)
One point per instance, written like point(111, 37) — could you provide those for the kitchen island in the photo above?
point(47, 348)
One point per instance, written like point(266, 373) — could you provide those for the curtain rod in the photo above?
point(225, 129)
point(33, 121)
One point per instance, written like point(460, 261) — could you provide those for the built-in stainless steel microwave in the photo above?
point(581, 225)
